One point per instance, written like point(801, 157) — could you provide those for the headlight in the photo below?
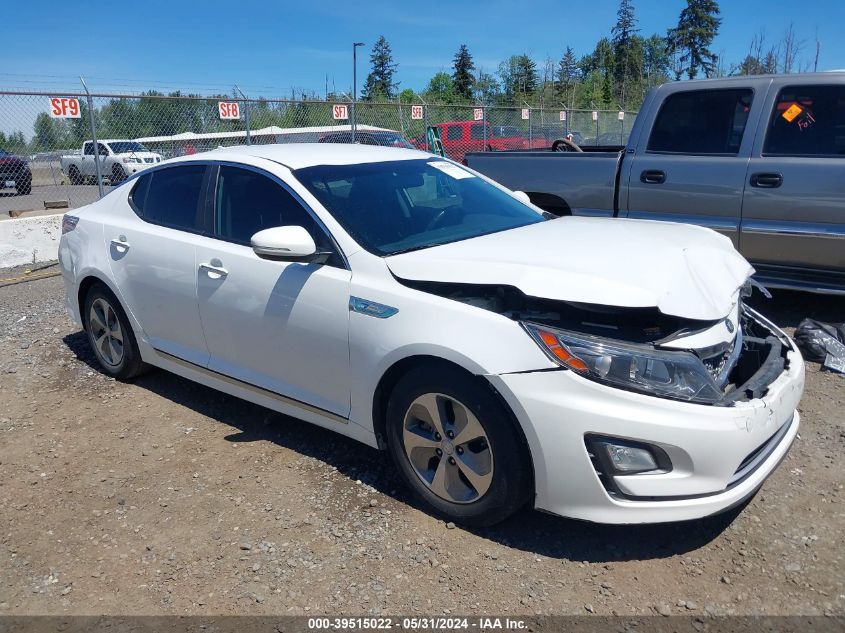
point(665, 374)
point(131, 160)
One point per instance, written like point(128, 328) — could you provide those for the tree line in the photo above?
point(617, 73)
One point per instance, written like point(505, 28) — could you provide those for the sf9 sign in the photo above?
point(65, 108)
point(229, 110)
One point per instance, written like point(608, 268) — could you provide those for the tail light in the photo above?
point(69, 223)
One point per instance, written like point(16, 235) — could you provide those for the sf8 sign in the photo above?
point(64, 108)
point(229, 110)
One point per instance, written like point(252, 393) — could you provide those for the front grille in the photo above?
point(149, 160)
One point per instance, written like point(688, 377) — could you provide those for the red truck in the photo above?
point(460, 137)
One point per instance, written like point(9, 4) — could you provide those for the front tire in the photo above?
point(117, 174)
point(457, 447)
point(110, 334)
point(74, 176)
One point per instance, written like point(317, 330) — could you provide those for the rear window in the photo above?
point(701, 122)
point(170, 197)
point(807, 121)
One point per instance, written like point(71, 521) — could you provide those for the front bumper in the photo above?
point(720, 455)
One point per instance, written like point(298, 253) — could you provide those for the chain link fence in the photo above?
point(48, 157)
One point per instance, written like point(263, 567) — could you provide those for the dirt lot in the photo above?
point(164, 497)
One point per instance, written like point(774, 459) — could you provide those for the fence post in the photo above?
point(94, 137)
point(246, 115)
point(484, 126)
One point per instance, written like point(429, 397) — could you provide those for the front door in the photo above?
point(281, 326)
point(794, 205)
point(692, 166)
point(152, 257)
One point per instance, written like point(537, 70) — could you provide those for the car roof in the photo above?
point(299, 155)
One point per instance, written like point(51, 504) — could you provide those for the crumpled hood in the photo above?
point(682, 270)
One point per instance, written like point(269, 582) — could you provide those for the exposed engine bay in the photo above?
point(747, 356)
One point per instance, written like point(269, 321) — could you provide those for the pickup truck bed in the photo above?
point(760, 159)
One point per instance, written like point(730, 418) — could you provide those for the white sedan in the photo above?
point(602, 369)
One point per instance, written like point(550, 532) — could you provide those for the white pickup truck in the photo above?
point(119, 159)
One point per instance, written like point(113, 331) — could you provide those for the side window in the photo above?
point(138, 195)
point(88, 149)
point(476, 131)
point(701, 122)
point(171, 197)
point(101, 149)
point(247, 202)
point(807, 121)
point(454, 133)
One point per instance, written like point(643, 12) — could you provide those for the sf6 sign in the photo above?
point(64, 108)
point(340, 112)
point(229, 110)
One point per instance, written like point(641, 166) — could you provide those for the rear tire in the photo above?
point(457, 447)
point(74, 176)
point(110, 334)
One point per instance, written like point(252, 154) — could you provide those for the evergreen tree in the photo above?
point(567, 75)
point(627, 48)
point(519, 76)
point(462, 77)
point(380, 83)
point(698, 25)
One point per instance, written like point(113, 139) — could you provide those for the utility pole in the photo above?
point(355, 46)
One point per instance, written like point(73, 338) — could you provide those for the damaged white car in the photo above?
point(600, 369)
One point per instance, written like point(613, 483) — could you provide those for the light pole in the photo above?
point(355, 46)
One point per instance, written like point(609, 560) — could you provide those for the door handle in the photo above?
point(766, 180)
point(214, 269)
point(120, 242)
point(653, 177)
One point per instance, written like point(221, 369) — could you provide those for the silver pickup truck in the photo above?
point(760, 159)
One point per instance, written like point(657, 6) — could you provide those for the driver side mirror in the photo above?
point(288, 244)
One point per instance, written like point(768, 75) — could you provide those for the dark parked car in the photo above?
point(385, 139)
point(15, 173)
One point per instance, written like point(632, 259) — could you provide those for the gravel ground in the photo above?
point(165, 497)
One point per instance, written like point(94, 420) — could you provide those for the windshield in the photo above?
point(399, 206)
point(125, 147)
point(392, 140)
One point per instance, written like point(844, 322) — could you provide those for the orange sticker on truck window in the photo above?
point(793, 111)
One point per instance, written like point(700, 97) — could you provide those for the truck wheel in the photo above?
point(74, 175)
point(117, 174)
point(25, 189)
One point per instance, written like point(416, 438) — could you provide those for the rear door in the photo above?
point(691, 168)
point(794, 202)
point(152, 257)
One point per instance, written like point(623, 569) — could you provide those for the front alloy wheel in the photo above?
point(457, 446)
point(448, 448)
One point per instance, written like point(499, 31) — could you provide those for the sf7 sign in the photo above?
point(229, 110)
point(65, 108)
point(340, 112)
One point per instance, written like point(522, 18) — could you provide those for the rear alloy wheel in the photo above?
point(456, 445)
point(110, 334)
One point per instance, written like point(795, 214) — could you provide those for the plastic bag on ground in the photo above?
point(822, 343)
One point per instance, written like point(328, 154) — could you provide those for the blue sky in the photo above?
point(269, 47)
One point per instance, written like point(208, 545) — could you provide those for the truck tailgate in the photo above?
point(580, 183)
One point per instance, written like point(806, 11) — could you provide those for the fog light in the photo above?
point(630, 459)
